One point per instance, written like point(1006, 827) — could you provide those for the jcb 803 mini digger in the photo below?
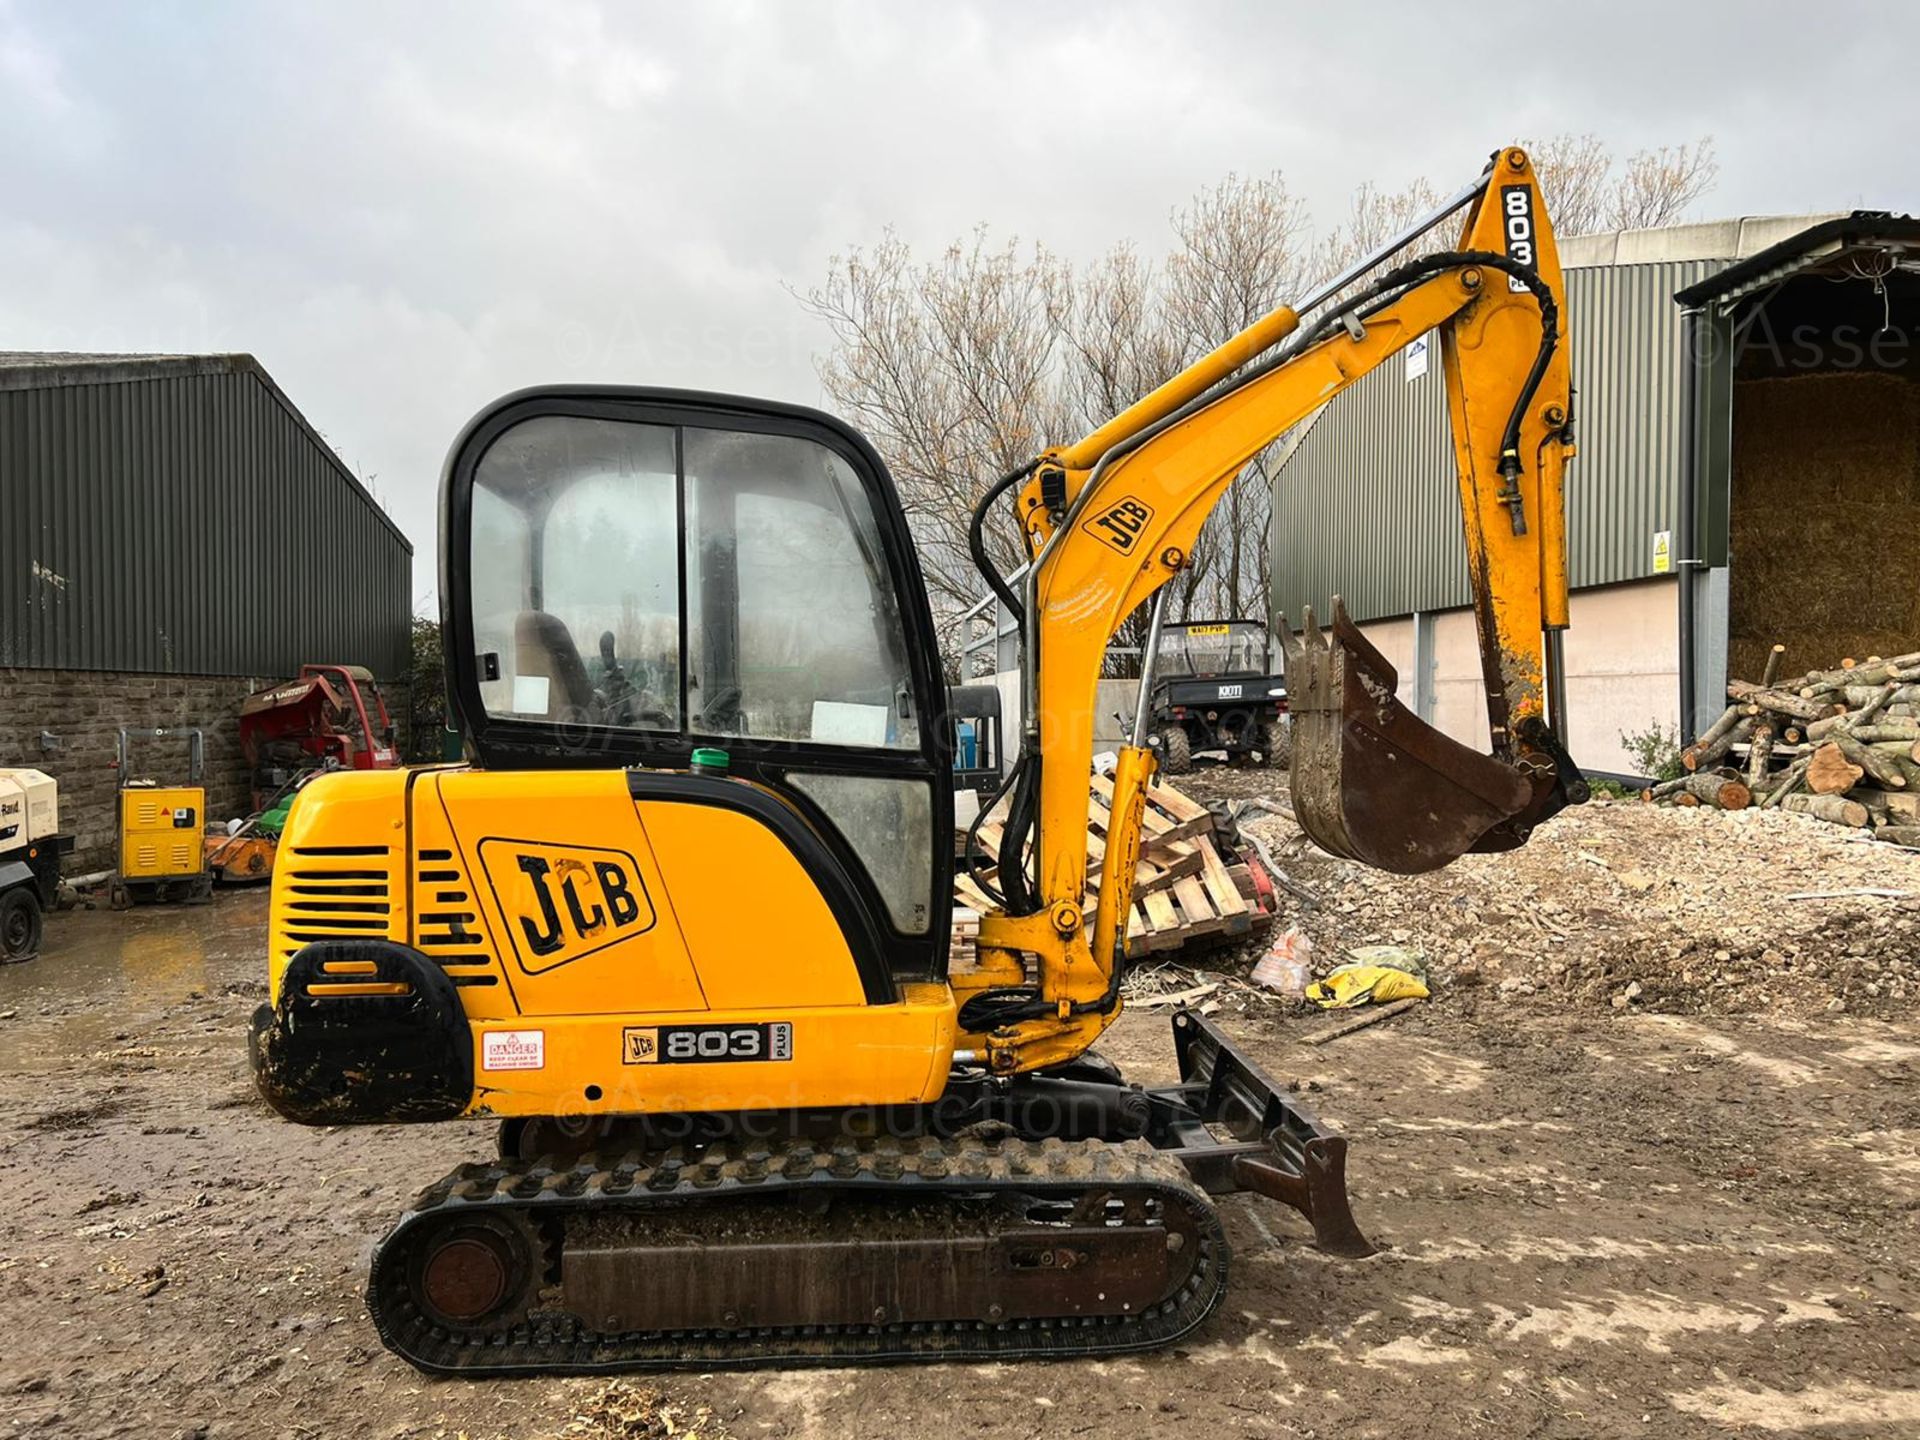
point(681, 922)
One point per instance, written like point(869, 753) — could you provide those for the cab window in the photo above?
point(576, 609)
point(711, 582)
point(792, 629)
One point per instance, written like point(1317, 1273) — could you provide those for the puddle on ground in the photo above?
point(104, 973)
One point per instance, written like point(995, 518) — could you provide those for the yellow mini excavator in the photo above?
point(680, 924)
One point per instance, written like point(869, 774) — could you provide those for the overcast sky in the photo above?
point(405, 210)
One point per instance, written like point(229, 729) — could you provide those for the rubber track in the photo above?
point(918, 1169)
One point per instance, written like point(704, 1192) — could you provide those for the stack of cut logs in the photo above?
point(1841, 745)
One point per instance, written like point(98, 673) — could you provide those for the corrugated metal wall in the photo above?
point(188, 524)
point(1367, 506)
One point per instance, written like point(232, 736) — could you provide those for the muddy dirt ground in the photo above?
point(1598, 1222)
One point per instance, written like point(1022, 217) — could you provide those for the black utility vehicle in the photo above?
point(1214, 689)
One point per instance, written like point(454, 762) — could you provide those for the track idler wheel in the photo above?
point(476, 1273)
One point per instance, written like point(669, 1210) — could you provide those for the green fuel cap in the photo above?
point(708, 760)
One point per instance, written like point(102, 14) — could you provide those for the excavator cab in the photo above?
point(672, 581)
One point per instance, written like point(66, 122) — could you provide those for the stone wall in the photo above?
point(82, 710)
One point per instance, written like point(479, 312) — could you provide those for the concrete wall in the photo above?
point(1111, 696)
point(1623, 669)
point(1623, 674)
point(83, 709)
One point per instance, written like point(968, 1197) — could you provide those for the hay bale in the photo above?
point(1825, 513)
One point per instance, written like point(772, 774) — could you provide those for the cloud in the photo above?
point(405, 211)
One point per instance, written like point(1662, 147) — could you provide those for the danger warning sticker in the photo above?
point(513, 1050)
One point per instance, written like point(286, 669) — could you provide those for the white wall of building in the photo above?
point(1623, 674)
point(1623, 669)
point(1111, 697)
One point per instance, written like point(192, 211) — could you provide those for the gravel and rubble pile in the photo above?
point(1622, 905)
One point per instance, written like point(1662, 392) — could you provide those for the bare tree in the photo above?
point(1575, 173)
point(949, 368)
point(1244, 248)
point(1120, 345)
point(1590, 192)
point(1375, 216)
point(964, 366)
point(1657, 187)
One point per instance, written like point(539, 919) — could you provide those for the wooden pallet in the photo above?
point(1169, 815)
point(966, 936)
point(1161, 862)
point(1169, 826)
point(1184, 891)
point(1192, 908)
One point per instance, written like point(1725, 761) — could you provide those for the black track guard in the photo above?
point(327, 1056)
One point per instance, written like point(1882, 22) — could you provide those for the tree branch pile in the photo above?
point(1841, 745)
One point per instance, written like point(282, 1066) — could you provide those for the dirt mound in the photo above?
point(1622, 905)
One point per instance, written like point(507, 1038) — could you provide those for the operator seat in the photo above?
point(543, 646)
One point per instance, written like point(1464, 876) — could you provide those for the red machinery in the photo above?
point(329, 713)
point(332, 717)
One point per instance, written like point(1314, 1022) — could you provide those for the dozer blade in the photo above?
point(1371, 781)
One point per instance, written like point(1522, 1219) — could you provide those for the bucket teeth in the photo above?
point(1371, 781)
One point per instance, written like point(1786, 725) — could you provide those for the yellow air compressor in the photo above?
point(161, 853)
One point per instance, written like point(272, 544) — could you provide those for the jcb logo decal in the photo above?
point(564, 902)
point(1120, 524)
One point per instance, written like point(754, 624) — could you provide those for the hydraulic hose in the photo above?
point(1413, 271)
point(1013, 892)
point(971, 851)
point(977, 539)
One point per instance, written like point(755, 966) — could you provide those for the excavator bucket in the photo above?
point(1371, 781)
